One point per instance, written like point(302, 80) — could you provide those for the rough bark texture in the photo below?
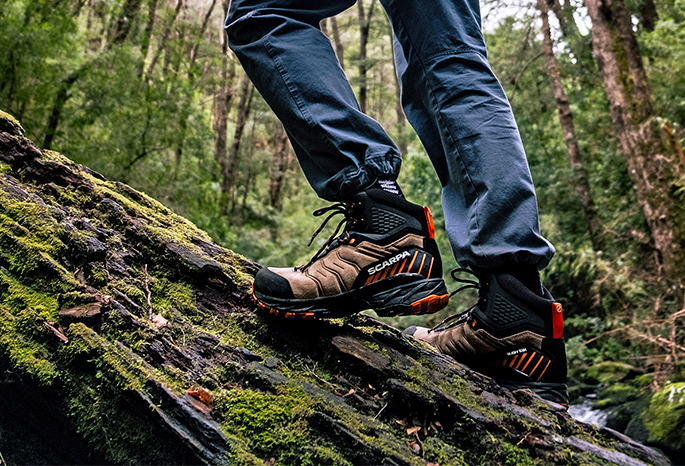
point(364, 28)
point(147, 37)
point(282, 161)
point(126, 334)
point(652, 165)
point(246, 91)
point(582, 182)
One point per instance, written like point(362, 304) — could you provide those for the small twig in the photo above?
point(149, 293)
point(2, 460)
point(607, 333)
point(379, 412)
point(127, 299)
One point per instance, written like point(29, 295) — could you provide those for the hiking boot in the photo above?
point(386, 259)
point(512, 335)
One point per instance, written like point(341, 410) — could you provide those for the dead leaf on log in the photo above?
point(413, 430)
point(201, 394)
point(159, 321)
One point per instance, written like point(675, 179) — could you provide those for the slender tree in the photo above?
point(337, 42)
point(582, 182)
point(246, 92)
point(651, 163)
point(364, 28)
point(165, 37)
point(282, 161)
point(147, 37)
point(125, 21)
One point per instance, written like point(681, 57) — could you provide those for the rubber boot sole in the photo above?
point(402, 294)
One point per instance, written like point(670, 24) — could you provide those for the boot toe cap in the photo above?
point(269, 283)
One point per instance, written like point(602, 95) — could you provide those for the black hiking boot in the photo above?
point(512, 335)
point(386, 259)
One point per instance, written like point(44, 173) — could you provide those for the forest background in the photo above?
point(147, 93)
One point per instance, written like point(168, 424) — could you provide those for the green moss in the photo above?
point(616, 395)
point(665, 417)
point(16, 297)
point(496, 451)
point(608, 372)
point(270, 425)
point(20, 341)
point(166, 294)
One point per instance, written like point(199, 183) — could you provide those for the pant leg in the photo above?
point(293, 65)
point(459, 110)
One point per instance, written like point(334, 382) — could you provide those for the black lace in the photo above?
point(467, 284)
point(351, 218)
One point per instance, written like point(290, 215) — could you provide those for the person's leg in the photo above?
point(386, 259)
point(291, 62)
point(459, 110)
point(462, 116)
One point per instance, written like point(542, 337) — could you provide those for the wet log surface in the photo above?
point(127, 336)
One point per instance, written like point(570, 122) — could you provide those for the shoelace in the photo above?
point(350, 220)
point(467, 284)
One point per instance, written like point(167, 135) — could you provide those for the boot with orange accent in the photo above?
point(386, 259)
point(512, 335)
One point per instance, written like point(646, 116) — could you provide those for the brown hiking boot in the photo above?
point(386, 259)
point(511, 335)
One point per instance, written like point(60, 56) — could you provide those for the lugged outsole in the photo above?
point(412, 295)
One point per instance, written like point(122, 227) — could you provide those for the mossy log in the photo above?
point(128, 336)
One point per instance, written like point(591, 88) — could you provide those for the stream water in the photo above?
point(583, 412)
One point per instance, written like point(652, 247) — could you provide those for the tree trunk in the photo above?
point(125, 21)
point(60, 101)
point(582, 183)
point(165, 38)
point(364, 27)
point(246, 91)
point(649, 15)
point(650, 162)
point(339, 48)
point(282, 159)
point(147, 37)
point(222, 103)
point(185, 111)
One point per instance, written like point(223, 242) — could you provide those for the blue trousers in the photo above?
point(450, 96)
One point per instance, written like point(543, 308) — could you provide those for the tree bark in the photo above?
point(147, 37)
point(364, 27)
point(339, 48)
point(582, 183)
point(246, 91)
point(165, 37)
point(125, 21)
point(282, 160)
point(183, 119)
point(650, 162)
point(223, 96)
point(60, 101)
point(649, 15)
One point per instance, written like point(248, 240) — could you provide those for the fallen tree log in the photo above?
point(128, 336)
